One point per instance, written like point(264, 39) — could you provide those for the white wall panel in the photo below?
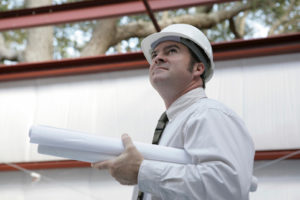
point(280, 181)
point(265, 92)
point(17, 108)
point(108, 104)
point(63, 184)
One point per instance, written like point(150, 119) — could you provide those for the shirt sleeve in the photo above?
point(222, 153)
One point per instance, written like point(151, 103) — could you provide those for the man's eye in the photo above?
point(172, 50)
point(153, 55)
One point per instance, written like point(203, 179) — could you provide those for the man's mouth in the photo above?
point(160, 68)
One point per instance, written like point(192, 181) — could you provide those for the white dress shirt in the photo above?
point(220, 146)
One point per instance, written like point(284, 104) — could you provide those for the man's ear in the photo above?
point(198, 69)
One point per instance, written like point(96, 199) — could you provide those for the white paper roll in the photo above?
point(91, 148)
point(86, 156)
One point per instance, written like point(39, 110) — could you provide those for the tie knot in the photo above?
point(163, 118)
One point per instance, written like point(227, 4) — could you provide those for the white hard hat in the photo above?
point(185, 31)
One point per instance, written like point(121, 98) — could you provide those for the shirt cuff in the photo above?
point(149, 176)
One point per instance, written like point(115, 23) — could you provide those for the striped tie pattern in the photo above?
point(162, 122)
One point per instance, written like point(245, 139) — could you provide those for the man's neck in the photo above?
point(170, 97)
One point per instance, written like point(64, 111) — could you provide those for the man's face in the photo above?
point(170, 66)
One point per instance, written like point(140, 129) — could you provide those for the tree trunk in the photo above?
point(40, 40)
point(103, 37)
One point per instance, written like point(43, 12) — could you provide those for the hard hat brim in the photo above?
point(146, 43)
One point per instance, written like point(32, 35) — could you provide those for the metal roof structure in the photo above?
point(97, 9)
point(89, 10)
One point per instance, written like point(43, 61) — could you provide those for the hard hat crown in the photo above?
point(184, 31)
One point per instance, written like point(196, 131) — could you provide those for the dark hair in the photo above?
point(194, 60)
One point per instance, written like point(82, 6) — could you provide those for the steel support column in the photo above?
point(151, 15)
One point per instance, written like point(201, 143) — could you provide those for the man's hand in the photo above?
point(125, 167)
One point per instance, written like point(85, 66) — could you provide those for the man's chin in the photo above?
point(158, 79)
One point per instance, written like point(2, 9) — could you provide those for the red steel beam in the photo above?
point(272, 155)
point(64, 67)
point(88, 10)
point(45, 165)
point(222, 51)
point(273, 45)
point(259, 155)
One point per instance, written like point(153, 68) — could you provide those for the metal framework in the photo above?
point(222, 51)
point(97, 9)
point(89, 10)
point(151, 15)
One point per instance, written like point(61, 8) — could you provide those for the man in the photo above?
point(221, 149)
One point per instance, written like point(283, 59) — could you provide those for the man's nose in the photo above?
point(159, 59)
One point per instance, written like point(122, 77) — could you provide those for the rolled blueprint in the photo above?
point(92, 148)
point(86, 156)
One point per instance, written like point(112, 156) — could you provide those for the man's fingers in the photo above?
point(127, 142)
point(102, 165)
point(125, 167)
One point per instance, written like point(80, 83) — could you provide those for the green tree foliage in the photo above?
point(69, 39)
point(282, 15)
point(14, 39)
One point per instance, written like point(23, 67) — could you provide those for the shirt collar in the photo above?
point(184, 101)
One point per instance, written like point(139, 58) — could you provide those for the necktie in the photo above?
point(162, 122)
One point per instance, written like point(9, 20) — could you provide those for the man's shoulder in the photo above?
point(207, 104)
